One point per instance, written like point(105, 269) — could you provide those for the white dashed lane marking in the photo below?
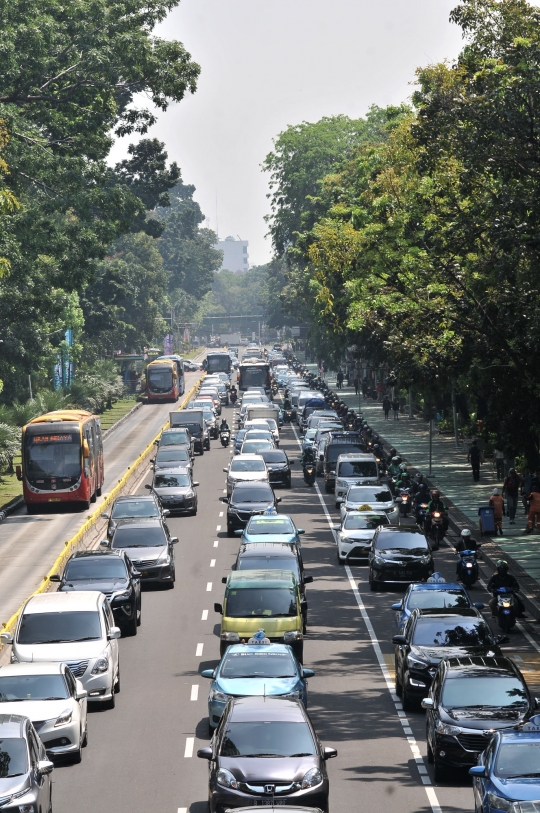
point(194, 692)
point(198, 651)
point(212, 562)
point(190, 742)
point(204, 616)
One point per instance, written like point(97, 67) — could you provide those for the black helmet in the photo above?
point(502, 567)
point(435, 494)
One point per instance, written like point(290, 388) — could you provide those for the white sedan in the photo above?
point(370, 498)
point(53, 699)
point(355, 533)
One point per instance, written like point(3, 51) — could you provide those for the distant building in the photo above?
point(235, 254)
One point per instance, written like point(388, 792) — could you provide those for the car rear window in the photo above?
point(247, 465)
point(95, 567)
point(134, 508)
point(274, 457)
point(253, 663)
point(274, 739)
point(366, 522)
point(270, 525)
point(261, 602)
point(357, 468)
point(412, 543)
point(167, 455)
point(152, 537)
point(253, 494)
point(368, 494)
point(437, 599)
point(289, 563)
point(456, 632)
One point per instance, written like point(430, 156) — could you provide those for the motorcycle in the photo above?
point(421, 513)
point(233, 397)
point(310, 473)
point(289, 415)
point(404, 500)
point(506, 608)
point(468, 568)
point(225, 437)
point(437, 529)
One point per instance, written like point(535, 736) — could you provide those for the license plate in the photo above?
point(55, 499)
point(269, 802)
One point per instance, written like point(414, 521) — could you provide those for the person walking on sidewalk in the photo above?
point(339, 379)
point(534, 509)
point(474, 458)
point(497, 503)
point(499, 463)
point(395, 407)
point(387, 406)
point(511, 492)
point(356, 384)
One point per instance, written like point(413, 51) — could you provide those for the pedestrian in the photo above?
point(380, 390)
point(526, 488)
point(395, 407)
point(356, 384)
point(365, 386)
point(534, 509)
point(499, 463)
point(511, 492)
point(339, 379)
point(474, 459)
point(497, 502)
point(387, 406)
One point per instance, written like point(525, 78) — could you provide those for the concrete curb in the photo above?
point(108, 432)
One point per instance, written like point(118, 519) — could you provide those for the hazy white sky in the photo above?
point(270, 63)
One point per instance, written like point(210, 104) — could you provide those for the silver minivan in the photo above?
point(355, 469)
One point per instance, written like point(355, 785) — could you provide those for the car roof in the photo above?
point(175, 429)
point(281, 549)
point(357, 456)
point(172, 448)
point(406, 530)
point(259, 648)
point(35, 668)
point(480, 666)
point(249, 484)
point(136, 498)
point(282, 808)
point(266, 709)
point(509, 736)
point(12, 726)
point(239, 579)
point(76, 602)
point(96, 554)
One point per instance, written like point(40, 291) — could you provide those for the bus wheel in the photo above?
point(31, 509)
point(93, 498)
point(98, 491)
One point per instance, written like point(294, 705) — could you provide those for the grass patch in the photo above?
point(117, 411)
point(10, 487)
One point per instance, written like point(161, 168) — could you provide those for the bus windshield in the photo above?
point(218, 363)
point(253, 376)
point(159, 378)
point(53, 455)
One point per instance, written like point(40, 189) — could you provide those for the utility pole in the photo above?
point(454, 413)
point(430, 437)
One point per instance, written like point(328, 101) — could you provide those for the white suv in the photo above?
point(76, 628)
point(245, 468)
point(354, 470)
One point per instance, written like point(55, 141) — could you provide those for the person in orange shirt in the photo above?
point(498, 510)
point(534, 509)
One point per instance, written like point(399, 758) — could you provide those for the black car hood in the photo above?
point(435, 654)
point(484, 719)
point(251, 506)
point(258, 770)
point(103, 585)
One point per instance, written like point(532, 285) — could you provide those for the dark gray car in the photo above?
point(149, 546)
point(176, 490)
point(180, 436)
point(264, 750)
point(133, 506)
point(172, 457)
point(246, 500)
point(25, 782)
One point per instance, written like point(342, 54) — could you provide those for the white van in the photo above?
point(355, 469)
point(76, 628)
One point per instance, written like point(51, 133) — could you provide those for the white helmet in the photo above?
point(465, 534)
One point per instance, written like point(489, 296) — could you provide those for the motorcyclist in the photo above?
point(308, 456)
point(417, 481)
point(466, 541)
point(391, 454)
point(393, 468)
point(287, 403)
point(224, 426)
point(403, 478)
point(436, 504)
point(502, 578)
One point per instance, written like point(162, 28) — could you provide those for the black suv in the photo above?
point(470, 697)
point(278, 465)
point(399, 556)
point(246, 500)
point(133, 506)
point(149, 545)
point(431, 635)
point(111, 572)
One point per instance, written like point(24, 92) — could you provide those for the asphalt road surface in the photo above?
point(30, 544)
point(142, 755)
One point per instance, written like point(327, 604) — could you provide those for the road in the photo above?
point(30, 544)
point(142, 755)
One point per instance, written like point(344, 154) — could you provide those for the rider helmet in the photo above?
point(402, 467)
point(435, 494)
point(466, 534)
point(395, 460)
point(502, 567)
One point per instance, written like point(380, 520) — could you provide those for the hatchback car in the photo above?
point(278, 465)
point(176, 490)
point(114, 574)
point(255, 446)
point(444, 596)
point(150, 547)
point(431, 635)
point(399, 556)
point(53, 699)
point(471, 698)
point(507, 776)
point(266, 750)
point(177, 436)
point(247, 500)
point(133, 506)
point(355, 534)
point(25, 782)
point(248, 670)
point(271, 528)
point(172, 457)
point(370, 498)
point(246, 468)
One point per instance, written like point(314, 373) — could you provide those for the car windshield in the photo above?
point(412, 543)
point(270, 525)
point(134, 508)
point(59, 628)
point(16, 688)
point(259, 602)
point(13, 758)
point(437, 599)
point(258, 664)
point(357, 468)
point(253, 446)
point(171, 481)
point(174, 439)
point(478, 692)
point(334, 450)
point(95, 567)
point(274, 457)
point(269, 563)
point(518, 759)
point(247, 465)
point(152, 537)
point(456, 632)
point(364, 522)
point(310, 434)
point(267, 739)
point(368, 495)
point(167, 455)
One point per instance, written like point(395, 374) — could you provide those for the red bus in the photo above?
point(162, 381)
point(62, 459)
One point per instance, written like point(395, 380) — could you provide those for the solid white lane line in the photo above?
point(194, 692)
point(216, 542)
point(198, 651)
point(190, 742)
point(218, 528)
point(208, 586)
point(212, 562)
point(204, 616)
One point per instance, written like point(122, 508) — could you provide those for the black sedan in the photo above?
point(470, 698)
point(176, 490)
point(149, 546)
point(246, 500)
point(399, 556)
point(266, 751)
point(112, 573)
point(133, 506)
point(431, 635)
point(278, 465)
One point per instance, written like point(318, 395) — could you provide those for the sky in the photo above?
point(267, 64)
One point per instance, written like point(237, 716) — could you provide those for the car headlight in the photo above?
point(123, 595)
point(101, 665)
point(226, 779)
point(164, 559)
point(230, 636)
point(294, 635)
point(217, 695)
point(425, 560)
point(64, 718)
point(312, 778)
point(449, 730)
point(26, 808)
point(499, 803)
point(292, 695)
point(341, 483)
point(416, 663)
point(378, 560)
point(344, 539)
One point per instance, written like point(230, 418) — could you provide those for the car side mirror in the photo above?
point(105, 516)
point(278, 499)
point(195, 484)
point(477, 770)
point(479, 605)
point(427, 703)
point(239, 532)
point(537, 702)
point(166, 512)
point(81, 694)
point(174, 540)
point(6, 637)
point(207, 673)
point(218, 608)
point(502, 639)
point(44, 767)
point(399, 639)
point(152, 460)
point(224, 499)
point(136, 574)
point(300, 531)
point(104, 543)
point(205, 753)
point(329, 753)
point(148, 486)
point(308, 579)
point(224, 580)
point(156, 443)
point(308, 673)
point(55, 578)
point(225, 469)
point(339, 500)
point(336, 527)
point(114, 633)
point(397, 606)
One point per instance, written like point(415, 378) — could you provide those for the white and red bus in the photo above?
point(62, 459)
point(163, 381)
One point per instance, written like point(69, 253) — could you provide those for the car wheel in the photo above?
point(337, 506)
point(31, 509)
point(289, 483)
point(339, 559)
point(93, 498)
point(328, 488)
point(429, 753)
point(406, 700)
point(131, 627)
point(399, 686)
point(76, 757)
point(439, 772)
point(372, 584)
point(139, 616)
point(110, 704)
point(85, 736)
point(230, 531)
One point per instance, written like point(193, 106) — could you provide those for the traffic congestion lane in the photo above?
point(30, 544)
